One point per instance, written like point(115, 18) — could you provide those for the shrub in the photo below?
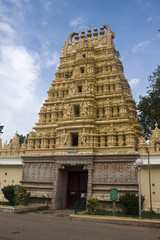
point(8, 192)
point(93, 206)
point(129, 203)
point(23, 196)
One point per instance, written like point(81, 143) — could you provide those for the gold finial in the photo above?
point(95, 34)
point(89, 34)
point(156, 125)
point(101, 31)
point(76, 36)
point(83, 34)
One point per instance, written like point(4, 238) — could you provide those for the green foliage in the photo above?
point(22, 138)
point(93, 206)
point(1, 128)
point(150, 215)
point(5, 203)
point(149, 105)
point(8, 192)
point(130, 204)
point(23, 196)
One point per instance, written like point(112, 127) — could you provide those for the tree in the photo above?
point(129, 203)
point(149, 105)
point(1, 128)
point(8, 192)
point(22, 138)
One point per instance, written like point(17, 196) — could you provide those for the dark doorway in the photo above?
point(74, 139)
point(77, 187)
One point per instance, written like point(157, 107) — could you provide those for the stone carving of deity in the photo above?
point(157, 147)
point(83, 138)
point(64, 138)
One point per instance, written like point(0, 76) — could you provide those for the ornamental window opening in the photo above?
point(74, 139)
point(76, 110)
point(102, 88)
point(82, 69)
point(124, 140)
point(99, 142)
point(105, 141)
point(79, 89)
point(116, 140)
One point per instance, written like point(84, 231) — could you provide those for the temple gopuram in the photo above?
point(87, 136)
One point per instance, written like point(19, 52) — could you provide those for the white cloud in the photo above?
point(134, 82)
point(47, 5)
point(140, 46)
point(6, 28)
point(19, 76)
point(149, 19)
point(76, 21)
point(52, 59)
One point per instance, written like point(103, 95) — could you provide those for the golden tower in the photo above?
point(87, 128)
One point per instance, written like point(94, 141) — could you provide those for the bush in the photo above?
point(8, 192)
point(23, 196)
point(129, 203)
point(93, 206)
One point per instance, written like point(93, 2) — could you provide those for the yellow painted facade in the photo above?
point(10, 173)
point(151, 156)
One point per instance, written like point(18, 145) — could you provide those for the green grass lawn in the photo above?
point(5, 203)
point(149, 215)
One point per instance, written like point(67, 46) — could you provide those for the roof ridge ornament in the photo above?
point(71, 37)
point(109, 31)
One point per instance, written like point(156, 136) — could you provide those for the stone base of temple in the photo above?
point(62, 180)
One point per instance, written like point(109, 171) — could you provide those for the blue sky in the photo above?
point(32, 33)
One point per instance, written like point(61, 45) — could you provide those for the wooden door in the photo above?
point(77, 187)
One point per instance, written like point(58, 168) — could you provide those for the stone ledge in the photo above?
point(18, 209)
point(119, 220)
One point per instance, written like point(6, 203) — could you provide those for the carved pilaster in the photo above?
point(90, 177)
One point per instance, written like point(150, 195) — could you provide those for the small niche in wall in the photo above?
point(76, 110)
point(79, 89)
point(74, 139)
point(5, 173)
point(82, 69)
